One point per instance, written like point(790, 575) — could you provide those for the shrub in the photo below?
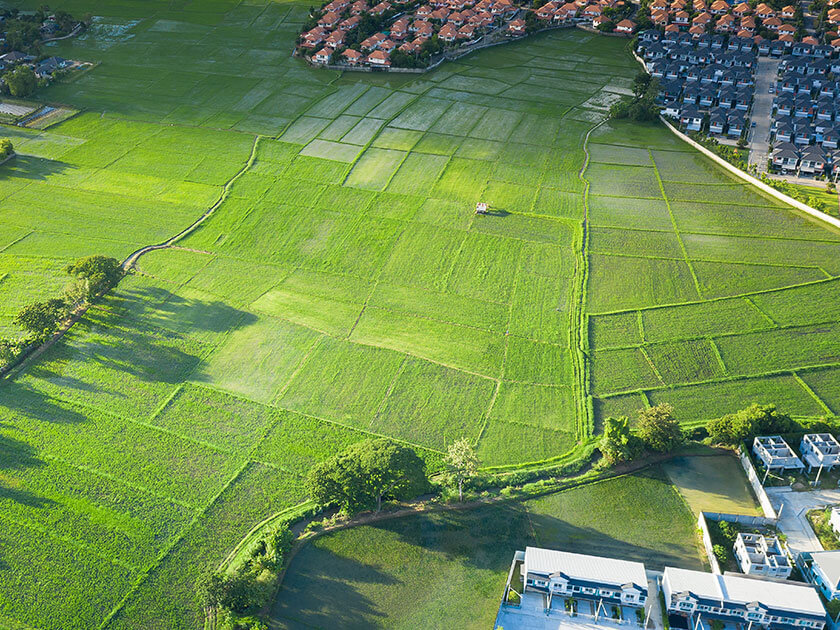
point(41, 319)
point(720, 553)
point(618, 443)
point(6, 148)
point(755, 420)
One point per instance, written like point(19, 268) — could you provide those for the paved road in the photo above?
point(793, 521)
point(762, 108)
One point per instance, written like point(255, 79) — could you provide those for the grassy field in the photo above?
point(450, 569)
point(713, 484)
point(344, 288)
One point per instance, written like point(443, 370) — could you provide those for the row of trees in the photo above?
point(20, 81)
point(92, 276)
point(657, 430)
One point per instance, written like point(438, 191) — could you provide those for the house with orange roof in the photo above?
point(772, 23)
point(702, 19)
point(719, 7)
point(742, 9)
point(516, 27)
point(810, 39)
point(448, 33)
point(546, 12)
point(335, 39)
point(786, 29)
point(835, 43)
point(387, 46)
point(440, 15)
point(568, 10)
point(329, 20)
point(763, 11)
point(379, 58)
point(409, 48)
point(350, 23)
point(745, 33)
point(787, 38)
point(380, 8)
point(399, 29)
point(697, 31)
point(681, 18)
point(323, 55)
point(592, 11)
point(456, 18)
point(373, 42)
point(359, 7)
point(725, 23)
point(598, 20)
point(625, 26)
point(466, 32)
point(788, 12)
point(424, 11)
point(672, 28)
point(748, 23)
point(658, 5)
point(660, 18)
point(353, 57)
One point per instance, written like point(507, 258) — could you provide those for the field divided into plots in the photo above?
point(343, 289)
point(702, 292)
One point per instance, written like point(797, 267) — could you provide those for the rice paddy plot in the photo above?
point(825, 384)
point(615, 329)
point(635, 243)
point(686, 361)
point(701, 319)
point(622, 405)
point(796, 305)
point(719, 279)
point(622, 370)
point(622, 282)
point(627, 212)
point(696, 404)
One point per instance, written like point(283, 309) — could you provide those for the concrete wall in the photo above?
point(707, 543)
point(755, 482)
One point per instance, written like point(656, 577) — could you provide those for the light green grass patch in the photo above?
point(536, 405)
point(713, 484)
point(375, 168)
point(540, 363)
point(331, 150)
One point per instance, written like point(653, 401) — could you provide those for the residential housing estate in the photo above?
point(823, 569)
point(743, 600)
point(556, 585)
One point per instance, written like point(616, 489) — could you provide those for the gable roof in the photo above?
point(588, 568)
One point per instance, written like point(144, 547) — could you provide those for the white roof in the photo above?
point(829, 563)
point(582, 567)
point(743, 590)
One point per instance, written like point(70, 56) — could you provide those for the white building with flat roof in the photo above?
point(820, 450)
point(565, 574)
point(774, 452)
point(762, 555)
point(822, 568)
point(742, 600)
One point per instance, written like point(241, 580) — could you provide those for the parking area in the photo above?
point(532, 615)
point(793, 520)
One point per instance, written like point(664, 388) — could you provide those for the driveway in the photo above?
point(793, 521)
point(762, 108)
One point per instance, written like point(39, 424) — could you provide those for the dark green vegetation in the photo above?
point(449, 569)
point(344, 289)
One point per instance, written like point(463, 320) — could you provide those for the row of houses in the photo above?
point(819, 450)
point(551, 578)
point(578, 12)
point(453, 21)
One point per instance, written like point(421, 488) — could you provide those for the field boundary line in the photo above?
point(15, 242)
point(388, 391)
point(757, 237)
point(300, 365)
point(718, 356)
point(640, 321)
point(676, 227)
point(487, 413)
point(651, 364)
point(808, 389)
point(752, 303)
point(144, 575)
point(133, 257)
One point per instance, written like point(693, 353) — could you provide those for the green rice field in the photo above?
point(344, 288)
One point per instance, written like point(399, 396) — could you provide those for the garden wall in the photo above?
point(755, 482)
point(730, 518)
point(707, 543)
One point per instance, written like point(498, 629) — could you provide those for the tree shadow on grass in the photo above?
point(29, 167)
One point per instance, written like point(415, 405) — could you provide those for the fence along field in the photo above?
point(326, 300)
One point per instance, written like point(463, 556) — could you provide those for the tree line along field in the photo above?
point(344, 287)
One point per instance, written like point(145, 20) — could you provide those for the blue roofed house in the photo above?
point(717, 122)
point(741, 601)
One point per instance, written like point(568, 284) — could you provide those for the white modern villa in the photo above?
point(775, 453)
point(762, 555)
point(820, 450)
point(823, 569)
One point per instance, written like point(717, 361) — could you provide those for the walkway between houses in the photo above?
point(762, 109)
point(794, 520)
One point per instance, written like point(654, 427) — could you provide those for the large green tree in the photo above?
point(41, 319)
point(659, 429)
point(365, 474)
point(96, 274)
point(461, 463)
point(21, 81)
point(618, 444)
